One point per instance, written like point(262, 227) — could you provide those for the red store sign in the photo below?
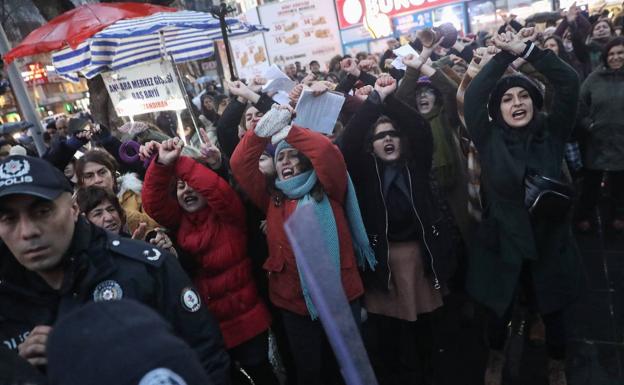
point(351, 12)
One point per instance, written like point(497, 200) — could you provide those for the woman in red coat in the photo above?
point(310, 169)
point(209, 219)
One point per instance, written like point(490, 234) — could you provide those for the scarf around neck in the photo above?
point(299, 187)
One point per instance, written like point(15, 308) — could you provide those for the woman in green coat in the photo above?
point(601, 119)
point(513, 250)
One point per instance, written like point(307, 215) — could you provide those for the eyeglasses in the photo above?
point(383, 134)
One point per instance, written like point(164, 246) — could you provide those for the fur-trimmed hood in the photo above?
point(129, 182)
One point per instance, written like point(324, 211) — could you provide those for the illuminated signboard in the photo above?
point(352, 12)
point(415, 21)
point(36, 73)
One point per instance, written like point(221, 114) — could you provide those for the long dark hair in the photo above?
point(615, 42)
point(381, 120)
point(278, 196)
point(563, 54)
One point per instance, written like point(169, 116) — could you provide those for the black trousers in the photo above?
point(591, 192)
point(553, 322)
point(400, 351)
point(314, 359)
point(253, 357)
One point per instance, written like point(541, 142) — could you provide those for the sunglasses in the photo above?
point(383, 134)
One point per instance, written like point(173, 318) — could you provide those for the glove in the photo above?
point(272, 122)
point(275, 139)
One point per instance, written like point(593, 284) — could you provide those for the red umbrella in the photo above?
point(73, 27)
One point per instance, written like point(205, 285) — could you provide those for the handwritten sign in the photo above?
point(144, 88)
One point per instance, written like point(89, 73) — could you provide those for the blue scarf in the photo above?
point(299, 187)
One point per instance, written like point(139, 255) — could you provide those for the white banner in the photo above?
point(301, 30)
point(144, 88)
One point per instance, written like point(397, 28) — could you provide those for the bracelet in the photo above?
point(527, 51)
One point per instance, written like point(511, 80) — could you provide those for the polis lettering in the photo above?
point(18, 180)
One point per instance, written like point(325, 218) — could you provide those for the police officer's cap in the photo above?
point(31, 176)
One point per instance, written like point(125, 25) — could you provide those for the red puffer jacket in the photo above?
point(284, 285)
point(215, 236)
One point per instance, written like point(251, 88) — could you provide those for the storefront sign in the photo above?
point(415, 21)
point(35, 73)
point(354, 35)
point(351, 12)
point(250, 56)
point(144, 88)
point(300, 30)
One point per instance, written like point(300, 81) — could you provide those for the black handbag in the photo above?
point(546, 197)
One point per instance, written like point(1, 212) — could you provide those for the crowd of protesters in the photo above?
point(448, 193)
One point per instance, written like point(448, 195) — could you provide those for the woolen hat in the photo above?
point(508, 82)
point(76, 125)
point(119, 342)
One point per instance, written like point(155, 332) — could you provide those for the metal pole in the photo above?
point(226, 42)
point(26, 105)
point(187, 100)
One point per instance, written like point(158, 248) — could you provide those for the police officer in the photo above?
point(53, 261)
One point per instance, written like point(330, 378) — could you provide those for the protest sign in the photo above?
point(144, 88)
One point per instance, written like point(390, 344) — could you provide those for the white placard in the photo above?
point(319, 113)
point(301, 30)
point(144, 88)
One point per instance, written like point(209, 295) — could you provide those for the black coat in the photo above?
point(227, 126)
point(98, 260)
point(508, 238)
point(366, 171)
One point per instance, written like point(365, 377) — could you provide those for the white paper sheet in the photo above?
point(319, 113)
point(401, 52)
point(277, 80)
point(405, 50)
point(282, 98)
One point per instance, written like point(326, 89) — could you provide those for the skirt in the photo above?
point(411, 290)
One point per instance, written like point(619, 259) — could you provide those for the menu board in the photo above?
point(250, 56)
point(301, 30)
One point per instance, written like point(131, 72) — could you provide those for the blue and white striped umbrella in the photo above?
point(187, 35)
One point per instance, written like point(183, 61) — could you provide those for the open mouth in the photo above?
point(389, 148)
point(519, 114)
point(190, 199)
point(287, 173)
point(424, 103)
